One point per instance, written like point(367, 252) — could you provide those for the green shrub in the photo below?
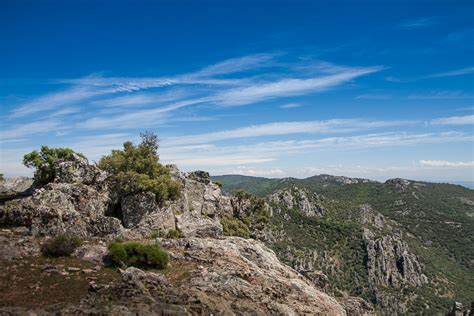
point(242, 195)
point(60, 246)
point(43, 161)
point(218, 183)
point(235, 227)
point(157, 234)
point(173, 234)
point(137, 169)
point(138, 255)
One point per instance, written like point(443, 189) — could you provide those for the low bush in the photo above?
point(157, 234)
point(60, 246)
point(138, 255)
point(173, 234)
point(235, 227)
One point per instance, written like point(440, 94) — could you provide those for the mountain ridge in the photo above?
point(432, 221)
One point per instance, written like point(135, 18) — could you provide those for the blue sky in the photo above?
point(373, 89)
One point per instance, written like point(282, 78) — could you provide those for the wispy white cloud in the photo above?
point(223, 160)
point(135, 100)
point(446, 94)
point(287, 128)
point(417, 23)
point(138, 119)
point(65, 111)
point(370, 96)
point(86, 88)
point(288, 87)
point(446, 164)
point(209, 156)
point(235, 65)
point(54, 100)
point(252, 171)
point(33, 128)
point(121, 102)
point(291, 105)
point(451, 73)
point(454, 120)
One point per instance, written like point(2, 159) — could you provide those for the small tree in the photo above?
point(136, 169)
point(43, 161)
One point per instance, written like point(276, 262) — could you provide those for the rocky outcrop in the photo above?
point(75, 202)
point(196, 212)
point(344, 180)
point(13, 188)
point(302, 200)
point(227, 276)
point(401, 185)
point(243, 276)
point(390, 262)
point(96, 253)
point(357, 306)
point(370, 218)
point(78, 170)
point(136, 207)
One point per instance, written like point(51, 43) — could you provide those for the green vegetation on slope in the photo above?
point(341, 241)
point(438, 221)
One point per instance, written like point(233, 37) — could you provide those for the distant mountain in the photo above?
point(405, 245)
point(467, 184)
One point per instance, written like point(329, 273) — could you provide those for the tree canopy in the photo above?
point(43, 161)
point(136, 169)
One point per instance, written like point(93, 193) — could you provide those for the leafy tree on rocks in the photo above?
point(43, 161)
point(136, 169)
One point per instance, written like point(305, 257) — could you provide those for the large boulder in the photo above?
point(11, 188)
point(76, 170)
point(135, 207)
point(74, 203)
point(192, 224)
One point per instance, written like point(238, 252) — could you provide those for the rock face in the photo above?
point(231, 276)
point(78, 202)
point(390, 263)
point(196, 213)
point(344, 180)
point(382, 258)
point(78, 170)
point(248, 279)
point(135, 207)
point(295, 198)
point(357, 306)
point(12, 188)
point(401, 185)
point(74, 203)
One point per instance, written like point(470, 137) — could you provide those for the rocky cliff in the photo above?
point(360, 250)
